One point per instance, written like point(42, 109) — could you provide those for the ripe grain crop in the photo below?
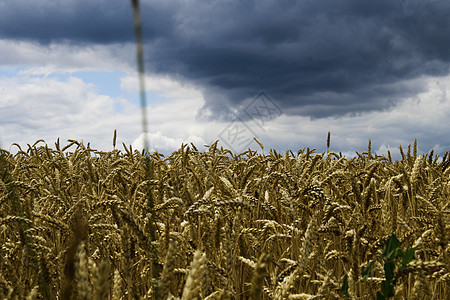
point(77, 224)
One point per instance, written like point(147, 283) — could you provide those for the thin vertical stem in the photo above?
point(141, 70)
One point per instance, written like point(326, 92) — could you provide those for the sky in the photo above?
point(284, 72)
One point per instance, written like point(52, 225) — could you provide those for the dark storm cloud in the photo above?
point(85, 21)
point(314, 57)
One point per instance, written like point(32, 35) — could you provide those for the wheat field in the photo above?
point(85, 224)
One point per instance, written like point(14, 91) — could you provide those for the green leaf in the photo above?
point(392, 248)
point(387, 289)
point(389, 267)
point(344, 287)
point(408, 257)
point(380, 296)
point(366, 272)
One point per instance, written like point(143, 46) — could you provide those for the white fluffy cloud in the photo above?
point(48, 108)
point(424, 117)
point(164, 144)
point(35, 107)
